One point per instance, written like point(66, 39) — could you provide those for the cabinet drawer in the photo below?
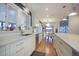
point(20, 52)
point(16, 47)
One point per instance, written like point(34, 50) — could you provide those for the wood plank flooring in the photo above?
point(47, 48)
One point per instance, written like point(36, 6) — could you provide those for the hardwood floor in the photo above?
point(47, 48)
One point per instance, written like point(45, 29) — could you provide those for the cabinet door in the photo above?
point(8, 50)
point(61, 47)
point(17, 48)
point(2, 51)
point(29, 45)
point(12, 14)
point(20, 48)
point(67, 50)
point(3, 11)
point(32, 43)
point(12, 49)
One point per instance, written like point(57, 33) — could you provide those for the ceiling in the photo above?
point(57, 11)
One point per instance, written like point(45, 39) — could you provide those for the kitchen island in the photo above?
point(66, 44)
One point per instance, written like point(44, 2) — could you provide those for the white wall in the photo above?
point(74, 24)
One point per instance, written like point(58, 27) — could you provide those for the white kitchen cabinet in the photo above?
point(12, 49)
point(62, 48)
point(3, 9)
point(29, 45)
point(7, 50)
point(17, 48)
point(2, 51)
point(21, 46)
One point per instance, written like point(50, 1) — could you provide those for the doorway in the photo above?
point(48, 31)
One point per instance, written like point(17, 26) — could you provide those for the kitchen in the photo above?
point(21, 22)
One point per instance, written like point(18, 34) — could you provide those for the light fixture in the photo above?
point(47, 24)
point(73, 12)
point(64, 19)
point(46, 9)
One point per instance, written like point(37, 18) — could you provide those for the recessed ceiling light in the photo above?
point(46, 9)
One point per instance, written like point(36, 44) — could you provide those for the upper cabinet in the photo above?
point(12, 13)
point(7, 17)
point(11, 17)
point(25, 20)
point(3, 16)
point(3, 11)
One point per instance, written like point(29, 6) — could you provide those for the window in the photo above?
point(64, 28)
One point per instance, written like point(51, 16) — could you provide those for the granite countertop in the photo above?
point(71, 39)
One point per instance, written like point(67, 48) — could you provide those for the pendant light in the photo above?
point(73, 12)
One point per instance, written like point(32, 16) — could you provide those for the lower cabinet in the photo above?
point(2, 51)
point(61, 47)
point(29, 45)
point(7, 49)
point(17, 48)
point(21, 47)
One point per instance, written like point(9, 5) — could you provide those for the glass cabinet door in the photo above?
point(8, 18)
point(11, 20)
point(3, 16)
point(3, 10)
point(23, 19)
point(11, 14)
point(28, 20)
